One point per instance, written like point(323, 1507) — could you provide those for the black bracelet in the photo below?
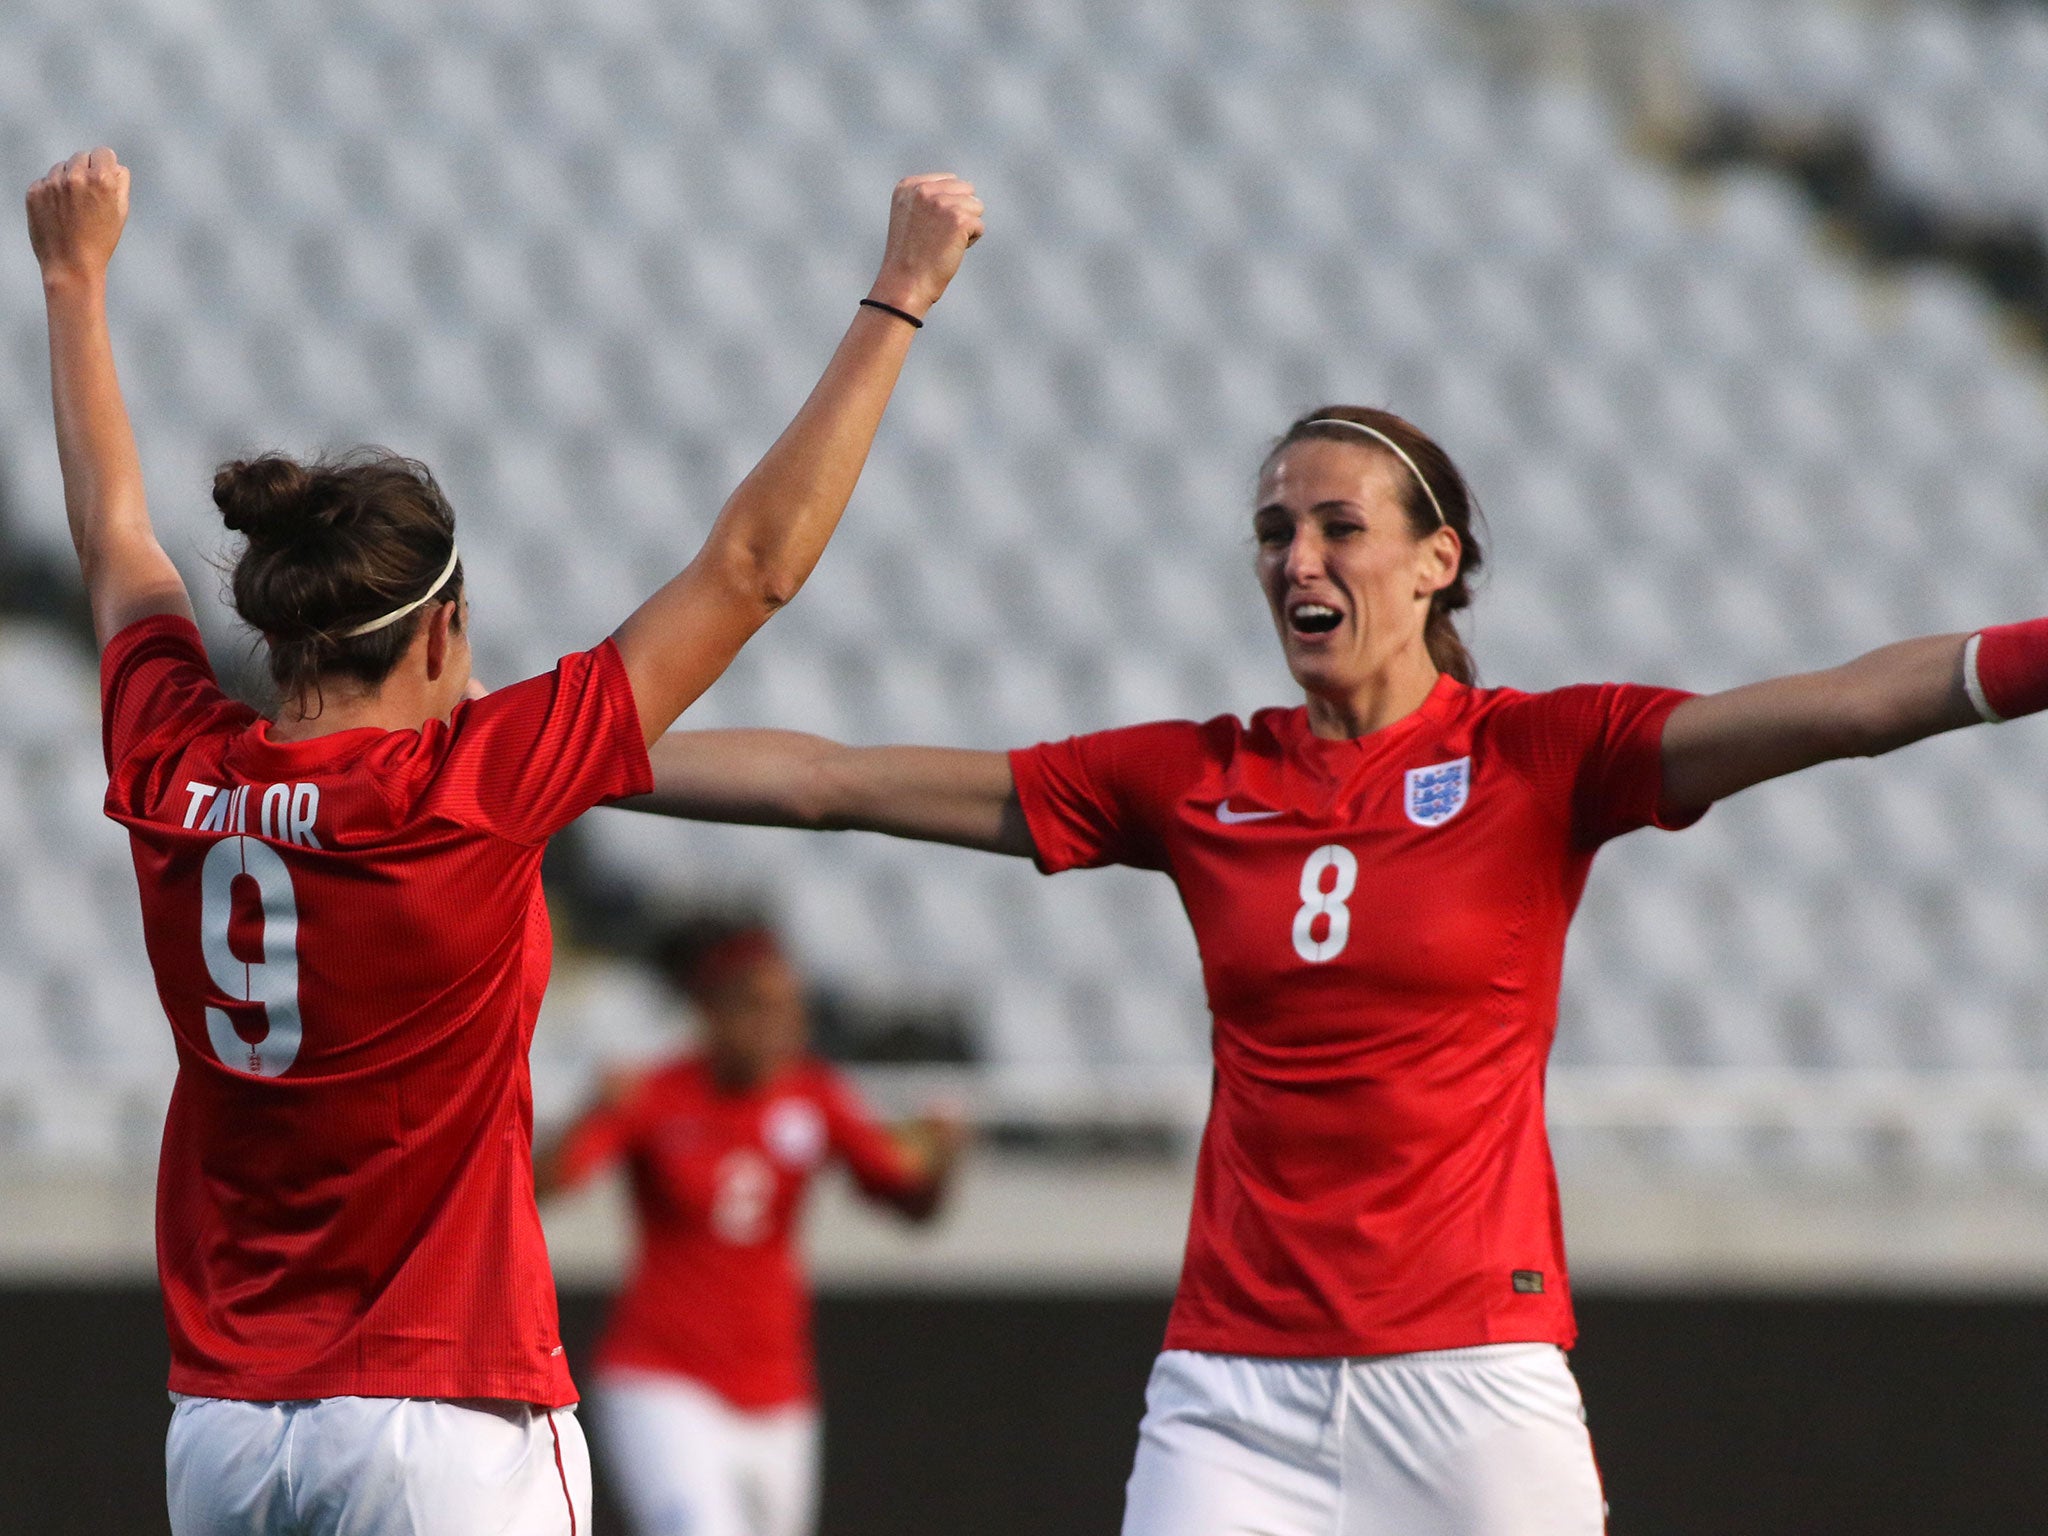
point(890, 309)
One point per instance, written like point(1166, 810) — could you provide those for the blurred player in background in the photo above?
point(706, 1398)
point(1368, 1333)
point(343, 912)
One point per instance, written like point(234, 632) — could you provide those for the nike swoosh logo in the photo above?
point(1231, 818)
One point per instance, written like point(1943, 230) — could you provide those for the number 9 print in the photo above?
point(270, 982)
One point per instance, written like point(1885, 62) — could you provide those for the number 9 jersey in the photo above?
point(349, 939)
point(1381, 923)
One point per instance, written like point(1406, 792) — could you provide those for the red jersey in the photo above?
point(719, 1177)
point(1381, 923)
point(349, 939)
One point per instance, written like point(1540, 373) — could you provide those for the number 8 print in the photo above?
point(273, 981)
point(1317, 902)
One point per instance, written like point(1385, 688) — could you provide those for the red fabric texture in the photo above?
point(2012, 668)
point(1375, 1176)
point(719, 1178)
point(362, 1221)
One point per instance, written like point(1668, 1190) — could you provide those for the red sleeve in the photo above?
point(1101, 799)
point(878, 1165)
point(529, 759)
point(594, 1143)
point(155, 674)
point(1596, 752)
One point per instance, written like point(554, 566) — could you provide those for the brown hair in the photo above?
point(1440, 632)
point(333, 544)
point(703, 953)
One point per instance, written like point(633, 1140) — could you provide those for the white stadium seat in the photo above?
point(1711, 448)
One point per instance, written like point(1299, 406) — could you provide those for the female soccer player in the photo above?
point(1367, 1336)
point(706, 1399)
point(343, 911)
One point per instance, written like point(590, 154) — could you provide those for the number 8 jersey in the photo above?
point(350, 942)
point(1381, 923)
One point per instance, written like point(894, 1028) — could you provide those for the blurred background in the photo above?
point(1734, 313)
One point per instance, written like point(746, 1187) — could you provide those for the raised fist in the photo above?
point(76, 212)
point(932, 221)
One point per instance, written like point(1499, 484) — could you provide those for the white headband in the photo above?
point(1399, 452)
point(421, 601)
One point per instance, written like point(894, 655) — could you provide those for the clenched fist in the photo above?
point(76, 212)
point(932, 221)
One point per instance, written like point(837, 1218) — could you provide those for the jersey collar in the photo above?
point(1442, 698)
point(266, 757)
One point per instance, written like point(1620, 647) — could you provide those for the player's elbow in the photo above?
point(920, 1207)
point(1873, 719)
point(829, 790)
point(760, 576)
point(775, 584)
point(547, 1176)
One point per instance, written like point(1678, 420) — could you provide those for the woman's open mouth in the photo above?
point(1313, 618)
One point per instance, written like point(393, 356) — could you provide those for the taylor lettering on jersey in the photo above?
point(350, 944)
point(288, 814)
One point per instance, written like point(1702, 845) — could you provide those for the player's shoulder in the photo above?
point(158, 682)
point(682, 1076)
point(1545, 732)
point(1196, 750)
point(813, 1076)
point(166, 634)
point(1474, 699)
point(1571, 701)
point(418, 771)
point(689, 1067)
point(1154, 752)
point(1264, 731)
point(1158, 736)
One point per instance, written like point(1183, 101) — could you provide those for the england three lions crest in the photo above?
point(1438, 792)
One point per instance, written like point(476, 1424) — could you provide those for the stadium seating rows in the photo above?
point(1953, 92)
point(586, 267)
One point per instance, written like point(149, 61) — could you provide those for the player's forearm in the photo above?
point(549, 1177)
point(787, 779)
point(753, 777)
point(777, 522)
point(773, 528)
point(1717, 745)
point(934, 794)
point(103, 498)
point(126, 571)
point(775, 525)
point(75, 217)
point(932, 1151)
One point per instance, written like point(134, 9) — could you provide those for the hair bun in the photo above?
point(270, 499)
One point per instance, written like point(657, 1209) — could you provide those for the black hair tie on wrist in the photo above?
point(890, 309)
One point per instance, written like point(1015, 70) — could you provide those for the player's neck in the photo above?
point(741, 1078)
point(401, 703)
point(1390, 694)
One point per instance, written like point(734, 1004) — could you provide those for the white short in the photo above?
point(1489, 1441)
point(687, 1463)
point(375, 1466)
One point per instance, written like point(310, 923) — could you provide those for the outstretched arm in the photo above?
point(75, 216)
point(1719, 744)
point(775, 526)
point(785, 779)
point(931, 1146)
point(592, 1143)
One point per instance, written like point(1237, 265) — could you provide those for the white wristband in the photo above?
point(1974, 685)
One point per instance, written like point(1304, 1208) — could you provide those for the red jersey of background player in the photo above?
point(1381, 923)
point(349, 938)
point(719, 1176)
